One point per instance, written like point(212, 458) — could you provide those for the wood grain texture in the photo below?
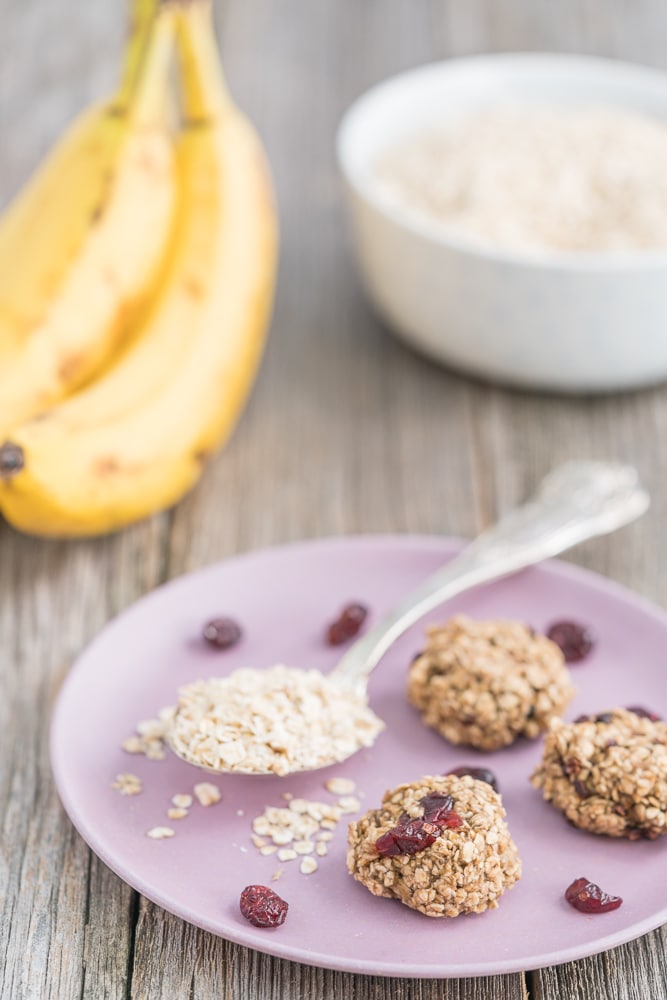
point(347, 431)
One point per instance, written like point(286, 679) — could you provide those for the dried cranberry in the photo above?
point(347, 625)
point(574, 641)
point(480, 773)
point(589, 898)
point(407, 838)
point(571, 765)
point(262, 906)
point(582, 718)
point(605, 717)
point(439, 809)
point(582, 790)
point(644, 713)
point(222, 633)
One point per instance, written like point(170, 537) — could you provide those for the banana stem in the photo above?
point(205, 96)
point(149, 99)
point(142, 15)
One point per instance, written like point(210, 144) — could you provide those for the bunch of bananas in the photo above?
point(136, 280)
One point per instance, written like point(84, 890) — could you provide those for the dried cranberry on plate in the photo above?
point(222, 633)
point(262, 906)
point(644, 713)
point(587, 897)
point(575, 641)
point(347, 625)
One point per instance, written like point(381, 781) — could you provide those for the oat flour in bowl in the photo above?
point(538, 178)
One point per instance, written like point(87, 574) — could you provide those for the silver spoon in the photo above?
point(576, 501)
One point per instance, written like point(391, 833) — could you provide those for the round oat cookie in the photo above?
point(484, 683)
point(469, 859)
point(608, 773)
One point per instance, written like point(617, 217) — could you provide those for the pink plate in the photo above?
point(284, 597)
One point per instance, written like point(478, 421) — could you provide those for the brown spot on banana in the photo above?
point(148, 162)
point(106, 466)
point(68, 368)
point(193, 288)
point(12, 460)
point(110, 278)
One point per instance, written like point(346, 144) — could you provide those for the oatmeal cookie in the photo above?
point(439, 845)
point(608, 773)
point(483, 684)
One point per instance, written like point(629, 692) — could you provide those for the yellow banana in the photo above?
point(135, 440)
point(86, 238)
point(44, 227)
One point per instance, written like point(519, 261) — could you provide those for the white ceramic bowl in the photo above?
point(584, 322)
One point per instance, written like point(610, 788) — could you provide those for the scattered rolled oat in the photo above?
point(127, 784)
point(484, 683)
point(282, 837)
point(608, 773)
point(456, 868)
point(349, 804)
point(308, 866)
point(181, 801)
point(300, 821)
point(150, 737)
point(300, 829)
point(278, 873)
point(277, 720)
point(304, 846)
point(160, 832)
point(175, 813)
point(287, 854)
point(207, 794)
point(340, 786)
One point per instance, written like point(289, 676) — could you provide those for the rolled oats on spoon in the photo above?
point(273, 721)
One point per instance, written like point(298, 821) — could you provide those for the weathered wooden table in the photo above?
point(347, 431)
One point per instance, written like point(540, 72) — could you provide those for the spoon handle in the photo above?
point(576, 501)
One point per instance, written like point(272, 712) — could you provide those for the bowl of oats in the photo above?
point(509, 216)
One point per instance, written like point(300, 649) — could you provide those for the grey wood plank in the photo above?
point(634, 971)
point(66, 925)
point(65, 921)
point(176, 960)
